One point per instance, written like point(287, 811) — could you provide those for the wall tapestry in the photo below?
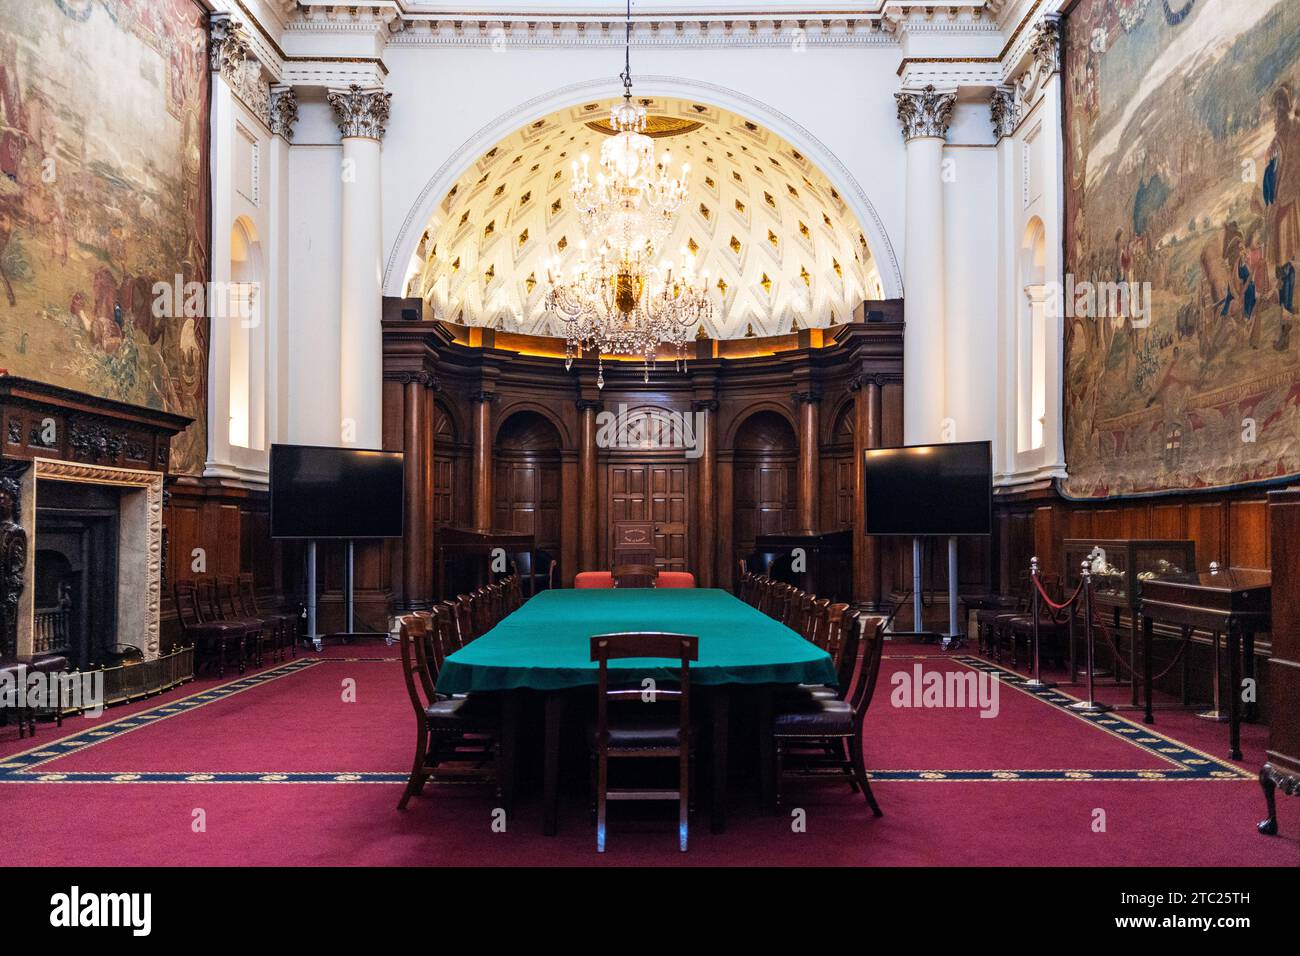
point(1182, 182)
point(104, 192)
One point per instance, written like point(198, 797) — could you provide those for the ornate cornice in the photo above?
point(231, 56)
point(924, 112)
point(362, 112)
point(283, 111)
point(1004, 113)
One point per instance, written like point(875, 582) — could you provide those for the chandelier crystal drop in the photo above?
point(620, 299)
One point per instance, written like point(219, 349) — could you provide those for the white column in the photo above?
point(362, 114)
point(924, 116)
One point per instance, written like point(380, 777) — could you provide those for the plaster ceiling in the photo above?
point(782, 247)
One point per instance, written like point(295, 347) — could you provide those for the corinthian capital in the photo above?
point(1003, 112)
point(284, 111)
point(924, 112)
point(227, 46)
point(361, 111)
point(1046, 45)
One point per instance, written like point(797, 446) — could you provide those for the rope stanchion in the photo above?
point(1091, 705)
point(1036, 682)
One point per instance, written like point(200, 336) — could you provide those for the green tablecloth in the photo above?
point(545, 645)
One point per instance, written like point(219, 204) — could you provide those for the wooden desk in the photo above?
point(481, 543)
point(827, 567)
point(1233, 601)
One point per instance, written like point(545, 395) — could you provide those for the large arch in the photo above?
point(402, 259)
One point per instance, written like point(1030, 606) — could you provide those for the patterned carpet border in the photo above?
point(1186, 763)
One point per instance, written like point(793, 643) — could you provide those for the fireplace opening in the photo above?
point(76, 572)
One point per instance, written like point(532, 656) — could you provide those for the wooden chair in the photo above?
point(647, 735)
point(451, 730)
point(593, 579)
point(465, 618)
point(226, 607)
point(210, 636)
point(815, 733)
point(286, 640)
point(635, 575)
point(675, 579)
point(449, 639)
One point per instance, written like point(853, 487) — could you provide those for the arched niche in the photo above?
point(837, 475)
point(241, 312)
point(526, 485)
point(766, 451)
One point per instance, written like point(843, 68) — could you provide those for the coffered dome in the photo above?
point(782, 248)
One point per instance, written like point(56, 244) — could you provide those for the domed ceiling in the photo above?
point(782, 248)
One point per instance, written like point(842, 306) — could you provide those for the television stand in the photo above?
point(954, 638)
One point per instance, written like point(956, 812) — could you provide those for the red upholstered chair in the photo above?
point(593, 579)
point(675, 579)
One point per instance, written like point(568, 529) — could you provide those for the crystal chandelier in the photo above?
point(618, 300)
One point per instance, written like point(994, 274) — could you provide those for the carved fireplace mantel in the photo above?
point(53, 434)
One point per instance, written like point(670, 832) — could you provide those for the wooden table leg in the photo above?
point(551, 763)
point(1234, 692)
point(718, 781)
point(1148, 717)
point(1248, 662)
point(766, 749)
point(509, 748)
point(1132, 659)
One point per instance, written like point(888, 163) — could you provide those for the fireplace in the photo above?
point(81, 530)
point(75, 572)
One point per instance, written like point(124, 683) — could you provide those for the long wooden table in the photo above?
point(545, 646)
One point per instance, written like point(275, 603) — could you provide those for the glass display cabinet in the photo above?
point(1119, 566)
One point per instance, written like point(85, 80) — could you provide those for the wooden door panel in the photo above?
point(658, 493)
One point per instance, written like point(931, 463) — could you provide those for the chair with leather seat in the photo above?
point(449, 731)
point(814, 734)
point(210, 636)
point(635, 727)
point(285, 622)
point(635, 576)
point(1053, 626)
point(17, 668)
point(226, 608)
point(593, 579)
point(675, 579)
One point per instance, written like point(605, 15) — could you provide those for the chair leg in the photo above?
point(848, 765)
point(684, 790)
point(415, 783)
point(602, 785)
point(221, 658)
point(860, 770)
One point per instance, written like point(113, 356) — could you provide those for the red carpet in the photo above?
point(318, 785)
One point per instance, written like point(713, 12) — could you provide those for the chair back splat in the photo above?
point(635, 576)
point(640, 735)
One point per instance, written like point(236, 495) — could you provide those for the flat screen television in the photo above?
point(930, 489)
point(335, 492)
